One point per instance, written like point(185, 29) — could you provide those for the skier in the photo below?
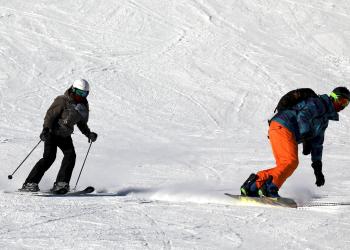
point(67, 110)
point(305, 123)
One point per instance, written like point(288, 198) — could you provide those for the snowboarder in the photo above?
point(67, 110)
point(304, 123)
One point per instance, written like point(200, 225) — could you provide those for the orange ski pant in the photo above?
point(285, 151)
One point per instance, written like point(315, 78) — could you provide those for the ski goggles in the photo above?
point(80, 92)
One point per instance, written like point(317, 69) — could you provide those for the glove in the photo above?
point(307, 147)
point(320, 179)
point(45, 134)
point(92, 137)
point(317, 166)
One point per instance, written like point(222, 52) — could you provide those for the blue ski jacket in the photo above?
point(308, 120)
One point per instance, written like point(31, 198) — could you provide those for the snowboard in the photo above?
point(276, 202)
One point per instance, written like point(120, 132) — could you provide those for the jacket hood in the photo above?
point(67, 93)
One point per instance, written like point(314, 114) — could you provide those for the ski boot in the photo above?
point(60, 188)
point(268, 189)
point(29, 187)
point(249, 186)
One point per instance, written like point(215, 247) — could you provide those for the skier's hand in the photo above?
point(45, 134)
point(317, 166)
point(92, 136)
point(307, 147)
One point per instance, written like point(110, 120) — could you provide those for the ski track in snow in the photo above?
point(181, 92)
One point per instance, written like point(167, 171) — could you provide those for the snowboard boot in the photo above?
point(249, 187)
point(60, 188)
point(268, 189)
point(29, 187)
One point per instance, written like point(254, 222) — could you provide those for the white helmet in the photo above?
point(81, 84)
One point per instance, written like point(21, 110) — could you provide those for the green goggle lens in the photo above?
point(80, 92)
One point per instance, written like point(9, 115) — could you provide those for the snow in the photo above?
point(181, 92)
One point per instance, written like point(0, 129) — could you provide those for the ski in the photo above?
point(276, 202)
point(85, 191)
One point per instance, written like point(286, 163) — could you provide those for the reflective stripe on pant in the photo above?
point(285, 151)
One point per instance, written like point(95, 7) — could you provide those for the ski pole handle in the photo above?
point(11, 175)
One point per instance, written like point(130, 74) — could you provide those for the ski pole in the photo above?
point(11, 175)
point(81, 170)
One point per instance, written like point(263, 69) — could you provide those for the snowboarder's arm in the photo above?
point(54, 112)
point(304, 119)
point(317, 148)
point(316, 157)
point(317, 166)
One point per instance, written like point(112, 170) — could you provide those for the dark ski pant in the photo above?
point(50, 150)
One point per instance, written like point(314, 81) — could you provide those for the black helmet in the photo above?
point(340, 92)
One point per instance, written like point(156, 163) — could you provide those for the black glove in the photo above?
point(92, 136)
point(45, 134)
point(317, 166)
point(307, 147)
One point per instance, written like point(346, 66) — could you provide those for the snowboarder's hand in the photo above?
point(45, 134)
point(92, 137)
point(317, 166)
point(307, 147)
point(320, 179)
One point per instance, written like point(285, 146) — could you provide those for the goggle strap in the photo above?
point(335, 96)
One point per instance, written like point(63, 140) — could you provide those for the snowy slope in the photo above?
point(180, 96)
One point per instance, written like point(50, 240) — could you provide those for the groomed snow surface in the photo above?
point(181, 92)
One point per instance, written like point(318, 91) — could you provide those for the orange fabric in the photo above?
point(285, 151)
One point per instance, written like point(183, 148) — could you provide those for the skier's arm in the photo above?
point(92, 136)
point(84, 128)
point(53, 113)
